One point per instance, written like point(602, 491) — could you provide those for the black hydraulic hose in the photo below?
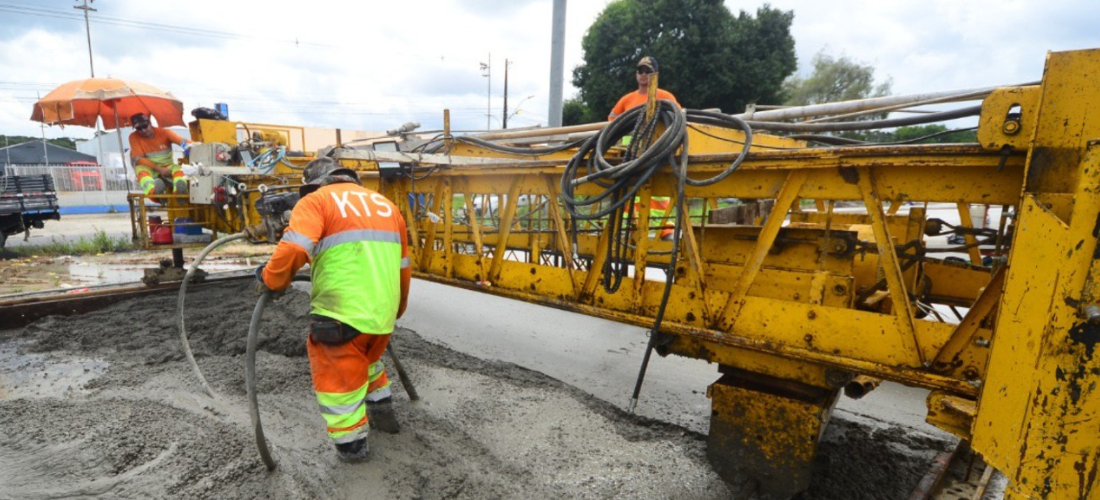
point(833, 140)
point(518, 150)
point(869, 124)
point(625, 178)
point(724, 120)
point(179, 304)
point(250, 380)
point(670, 276)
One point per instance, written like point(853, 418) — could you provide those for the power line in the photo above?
point(149, 25)
point(206, 33)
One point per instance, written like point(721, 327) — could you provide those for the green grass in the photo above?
point(100, 242)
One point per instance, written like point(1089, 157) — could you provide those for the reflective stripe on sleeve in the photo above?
point(300, 240)
point(405, 262)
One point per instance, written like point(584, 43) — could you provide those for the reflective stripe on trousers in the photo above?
point(147, 177)
point(345, 378)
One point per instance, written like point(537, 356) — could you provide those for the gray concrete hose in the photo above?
point(179, 303)
point(250, 380)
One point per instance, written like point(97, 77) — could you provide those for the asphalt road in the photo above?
point(602, 357)
point(72, 228)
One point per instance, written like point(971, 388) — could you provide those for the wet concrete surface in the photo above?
point(486, 428)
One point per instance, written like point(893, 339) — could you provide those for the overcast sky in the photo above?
point(373, 65)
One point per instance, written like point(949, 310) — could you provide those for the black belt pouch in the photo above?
point(329, 331)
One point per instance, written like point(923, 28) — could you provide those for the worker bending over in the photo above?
point(357, 247)
point(151, 155)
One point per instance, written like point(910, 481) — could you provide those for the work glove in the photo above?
point(261, 287)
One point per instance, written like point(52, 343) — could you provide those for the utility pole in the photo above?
point(487, 67)
point(504, 119)
point(88, 31)
point(98, 140)
point(557, 63)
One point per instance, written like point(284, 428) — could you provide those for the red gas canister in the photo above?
point(159, 234)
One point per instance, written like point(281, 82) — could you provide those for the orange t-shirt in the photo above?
point(144, 151)
point(635, 99)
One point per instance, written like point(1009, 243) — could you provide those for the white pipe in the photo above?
point(865, 104)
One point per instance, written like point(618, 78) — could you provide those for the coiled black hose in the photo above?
point(620, 183)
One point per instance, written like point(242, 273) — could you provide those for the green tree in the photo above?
point(834, 79)
point(11, 140)
point(708, 57)
point(940, 134)
point(574, 112)
point(842, 79)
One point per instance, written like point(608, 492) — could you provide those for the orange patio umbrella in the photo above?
point(83, 102)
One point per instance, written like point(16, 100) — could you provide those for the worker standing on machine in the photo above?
point(644, 74)
point(357, 246)
point(151, 154)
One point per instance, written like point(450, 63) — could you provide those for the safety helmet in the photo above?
point(324, 171)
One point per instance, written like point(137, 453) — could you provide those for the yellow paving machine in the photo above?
point(830, 272)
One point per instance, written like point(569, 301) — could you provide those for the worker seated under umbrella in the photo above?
point(151, 153)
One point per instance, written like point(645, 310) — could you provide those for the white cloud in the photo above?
point(374, 65)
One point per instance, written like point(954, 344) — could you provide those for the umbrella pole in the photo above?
point(122, 151)
point(103, 176)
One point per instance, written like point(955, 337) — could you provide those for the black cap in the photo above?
point(648, 62)
point(320, 171)
point(139, 119)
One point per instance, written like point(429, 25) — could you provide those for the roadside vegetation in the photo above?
point(100, 242)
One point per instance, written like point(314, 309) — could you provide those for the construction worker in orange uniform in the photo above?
point(658, 208)
point(647, 67)
point(151, 155)
point(357, 247)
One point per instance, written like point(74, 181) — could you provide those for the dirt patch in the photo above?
point(33, 273)
point(137, 425)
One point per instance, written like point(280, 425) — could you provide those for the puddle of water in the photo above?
point(86, 273)
point(32, 375)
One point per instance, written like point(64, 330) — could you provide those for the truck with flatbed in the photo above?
point(26, 201)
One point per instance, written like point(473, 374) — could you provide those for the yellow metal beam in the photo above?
point(888, 258)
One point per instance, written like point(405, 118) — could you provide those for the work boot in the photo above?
point(353, 452)
point(382, 416)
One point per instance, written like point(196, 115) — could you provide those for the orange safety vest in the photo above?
point(156, 150)
point(658, 207)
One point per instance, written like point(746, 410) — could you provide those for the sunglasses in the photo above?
point(141, 127)
point(644, 71)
